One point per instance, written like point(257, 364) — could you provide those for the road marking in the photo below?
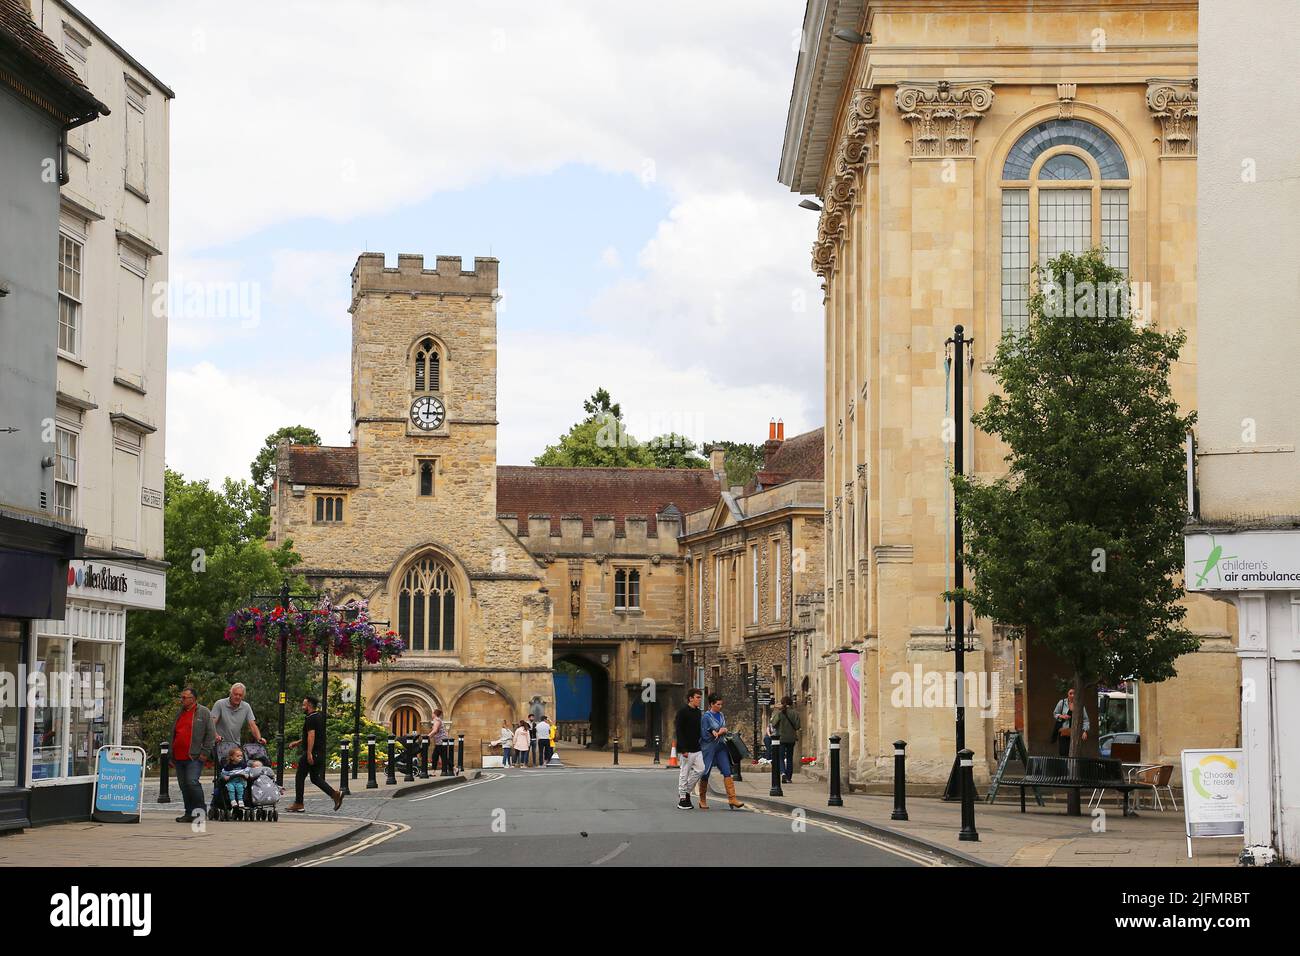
point(393, 829)
point(609, 856)
point(486, 778)
point(914, 856)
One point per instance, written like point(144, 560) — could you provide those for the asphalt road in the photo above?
point(591, 817)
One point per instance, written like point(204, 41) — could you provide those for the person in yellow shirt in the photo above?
point(555, 729)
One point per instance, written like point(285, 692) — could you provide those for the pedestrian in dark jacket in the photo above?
point(192, 740)
point(686, 727)
point(785, 728)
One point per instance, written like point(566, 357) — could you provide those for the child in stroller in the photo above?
point(245, 787)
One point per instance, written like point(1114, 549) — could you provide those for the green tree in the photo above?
point(600, 440)
point(671, 450)
point(214, 542)
point(742, 463)
point(263, 466)
point(1080, 544)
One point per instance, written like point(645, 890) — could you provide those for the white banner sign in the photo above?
point(1214, 793)
point(117, 584)
point(1250, 561)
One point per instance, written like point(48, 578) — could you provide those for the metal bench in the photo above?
point(1075, 773)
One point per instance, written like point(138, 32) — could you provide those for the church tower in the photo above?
point(406, 517)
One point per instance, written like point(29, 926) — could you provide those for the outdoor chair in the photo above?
point(1156, 779)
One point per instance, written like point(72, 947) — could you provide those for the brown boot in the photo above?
point(732, 802)
point(704, 794)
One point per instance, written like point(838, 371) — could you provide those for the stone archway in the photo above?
point(600, 695)
point(477, 713)
point(402, 699)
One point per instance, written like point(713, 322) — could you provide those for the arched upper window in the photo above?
point(426, 606)
point(1064, 189)
point(428, 367)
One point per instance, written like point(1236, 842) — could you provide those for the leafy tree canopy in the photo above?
point(1080, 543)
point(601, 440)
point(263, 466)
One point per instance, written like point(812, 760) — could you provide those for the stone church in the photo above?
point(491, 574)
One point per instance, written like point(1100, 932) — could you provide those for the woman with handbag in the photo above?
point(713, 745)
point(1062, 722)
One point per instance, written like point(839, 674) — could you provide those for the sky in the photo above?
point(619, 159)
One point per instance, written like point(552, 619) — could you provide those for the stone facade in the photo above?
point(915, 142)
point(492, 654)
point(750, 562)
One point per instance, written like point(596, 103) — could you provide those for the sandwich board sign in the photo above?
point(119, 785)
point(1214, 794)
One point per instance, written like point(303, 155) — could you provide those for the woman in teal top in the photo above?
point(713, 745)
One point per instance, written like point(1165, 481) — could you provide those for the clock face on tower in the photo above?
point(427, 413)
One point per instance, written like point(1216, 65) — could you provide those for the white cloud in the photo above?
point(353, 107)
point(217, 421)
point(610, 259)
point(543, 380)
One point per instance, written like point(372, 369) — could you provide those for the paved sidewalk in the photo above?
point(158, 840)
point(1042, 836)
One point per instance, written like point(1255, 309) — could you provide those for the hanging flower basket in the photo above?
point(345, 630)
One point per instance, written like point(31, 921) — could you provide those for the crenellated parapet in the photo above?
point(550, 537)
point(371, 276)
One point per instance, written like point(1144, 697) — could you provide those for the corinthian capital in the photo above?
point(943, 116)
point(1173, 103)
point(857, 145)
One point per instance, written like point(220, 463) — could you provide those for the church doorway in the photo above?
point(582, 695)
point(406, 720)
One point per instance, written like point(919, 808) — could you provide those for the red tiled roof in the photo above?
point(524, 490)
point(800, 457)
point(322, 465)
point(40, 62)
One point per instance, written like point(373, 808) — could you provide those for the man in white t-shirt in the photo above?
point(543, 741)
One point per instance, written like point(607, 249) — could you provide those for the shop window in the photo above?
point(11, 653)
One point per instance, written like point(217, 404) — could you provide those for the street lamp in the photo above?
point(810, 204)
point(284, 597)
point(356, 689)
point(852, 36)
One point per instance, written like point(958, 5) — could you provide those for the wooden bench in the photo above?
point(1075, 773)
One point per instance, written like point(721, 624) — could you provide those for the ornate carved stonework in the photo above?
point(943, 117)
point(862, 472)
point(858, 145)
point(1173, 103)
point(1065, 93)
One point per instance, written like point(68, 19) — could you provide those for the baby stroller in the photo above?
point(260, 794)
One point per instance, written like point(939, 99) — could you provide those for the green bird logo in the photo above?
point(1211, 563)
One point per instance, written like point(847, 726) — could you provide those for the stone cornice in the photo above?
point(1173, 103)
point(943, 116)
point(857, 145)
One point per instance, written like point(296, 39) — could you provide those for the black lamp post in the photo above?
point(284, 597)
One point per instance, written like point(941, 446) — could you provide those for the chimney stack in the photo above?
point(718, 461)
point(775, 436)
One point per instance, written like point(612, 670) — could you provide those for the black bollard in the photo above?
point(164, 772)
point(409, 749)
point(656, 748)
point(391, 777)
point(776, 790)
point(344, 747)
point(968, 832)
point(615, 751)
point(900, 781)
point(424, 757)
point(460, 753)
point(448, 757)
point(371, 782)
point(835, 799)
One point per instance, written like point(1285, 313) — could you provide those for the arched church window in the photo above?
point(428, 367)
point(1065, 188)
point(426, 606)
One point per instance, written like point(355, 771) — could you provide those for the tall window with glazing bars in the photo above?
point(1065, 188)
